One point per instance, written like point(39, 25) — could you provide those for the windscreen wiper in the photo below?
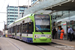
point(42, 32)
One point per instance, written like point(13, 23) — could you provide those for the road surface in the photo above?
point(13, 44)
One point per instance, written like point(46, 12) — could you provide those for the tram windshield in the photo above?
point(42, 23)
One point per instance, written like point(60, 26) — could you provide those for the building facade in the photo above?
point(12, 13)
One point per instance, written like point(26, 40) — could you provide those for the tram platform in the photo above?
point(64, 42)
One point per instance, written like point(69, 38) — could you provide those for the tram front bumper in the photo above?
point(42, 40)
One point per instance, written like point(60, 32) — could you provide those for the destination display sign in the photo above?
point(41, 16)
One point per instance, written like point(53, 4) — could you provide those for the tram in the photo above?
point(32, 28)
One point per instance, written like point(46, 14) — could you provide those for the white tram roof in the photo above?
point(23, 17)
point(17, 21)
point(10, 25)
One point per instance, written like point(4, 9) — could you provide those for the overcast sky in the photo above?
point(3, 6)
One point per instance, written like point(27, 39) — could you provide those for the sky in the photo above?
point(3, 9)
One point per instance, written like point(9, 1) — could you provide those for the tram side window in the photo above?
point(23, 31)
point(26, 27)
point(9, 30)
point(21, 28)
point(30, 27)
point(14, 29)
point(17, 28)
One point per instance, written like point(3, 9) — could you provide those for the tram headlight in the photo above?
point(49, 36)
point(36, 36)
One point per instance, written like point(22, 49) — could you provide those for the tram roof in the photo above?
point(18, 20)
point(23, 17)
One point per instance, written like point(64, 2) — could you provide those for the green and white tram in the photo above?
point(32, 28)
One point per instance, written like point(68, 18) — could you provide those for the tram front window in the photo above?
point(42, 23)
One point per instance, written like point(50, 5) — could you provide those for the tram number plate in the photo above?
point(43, 35)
